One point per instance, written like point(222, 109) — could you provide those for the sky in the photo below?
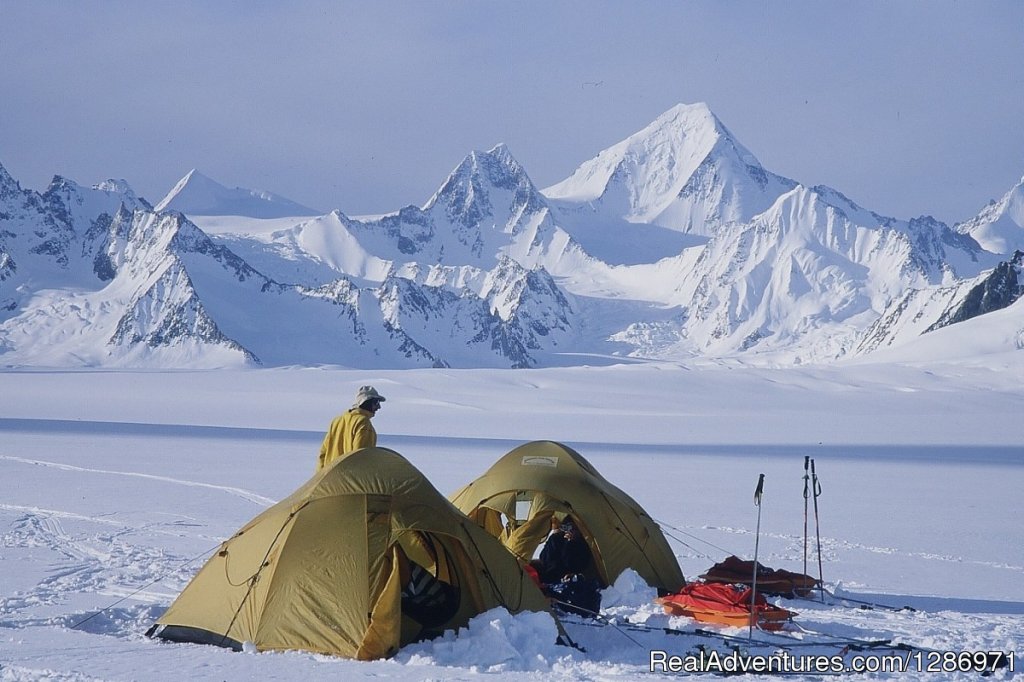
point(908, 108)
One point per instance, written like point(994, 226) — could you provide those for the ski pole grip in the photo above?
point(759, 490)
point(807, 477)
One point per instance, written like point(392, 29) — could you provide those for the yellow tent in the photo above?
point(519, 496)
point(364, 558)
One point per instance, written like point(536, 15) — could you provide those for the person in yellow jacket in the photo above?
point(352, 430)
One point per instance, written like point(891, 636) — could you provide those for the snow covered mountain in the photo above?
point(999, 227)
point(148, 288)
point(809, 271)
point(684, 171)
point(924, 310)
point(673, 243)
point(785, 272)
point(57, 235)
point(486, 208)
point(196, 194)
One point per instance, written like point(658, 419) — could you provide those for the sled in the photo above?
point(779, 582)
point(723, 604)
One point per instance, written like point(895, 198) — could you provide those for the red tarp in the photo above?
point(782, 583)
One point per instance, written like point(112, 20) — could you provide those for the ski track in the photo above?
point(18, 673)
point(105, 564)
point(830, 548)
point(238, 492)
point(129, 528)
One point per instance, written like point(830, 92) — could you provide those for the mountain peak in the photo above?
point(662, 156)
point(110, 186)
point(479, 171)
point(500, 151)
point(684, 171)
point(119, 186)
point(999, 227)
point(691, 116)
point(191, 180)
point(8, 185)
point(497, 163)
point(198, 194)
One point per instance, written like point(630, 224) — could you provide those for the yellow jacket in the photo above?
point(348, 432)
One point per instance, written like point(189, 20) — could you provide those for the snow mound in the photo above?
point(494, 642)
point(628, 591)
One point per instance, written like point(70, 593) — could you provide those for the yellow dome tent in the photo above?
point(517, 498)
point(364, 558)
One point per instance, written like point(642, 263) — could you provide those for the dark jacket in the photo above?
point(561, 557)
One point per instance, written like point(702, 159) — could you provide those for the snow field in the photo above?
point(118, 484)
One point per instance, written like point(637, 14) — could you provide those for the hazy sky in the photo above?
point(906, 107)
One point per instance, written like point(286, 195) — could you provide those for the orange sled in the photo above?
point(724, 605)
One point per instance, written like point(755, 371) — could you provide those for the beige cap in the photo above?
point(367, 393)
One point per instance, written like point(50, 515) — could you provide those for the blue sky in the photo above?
point(906, 107)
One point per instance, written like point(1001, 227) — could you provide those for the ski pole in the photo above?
point(806, 496)
point(757, 542)
point(816, 487)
